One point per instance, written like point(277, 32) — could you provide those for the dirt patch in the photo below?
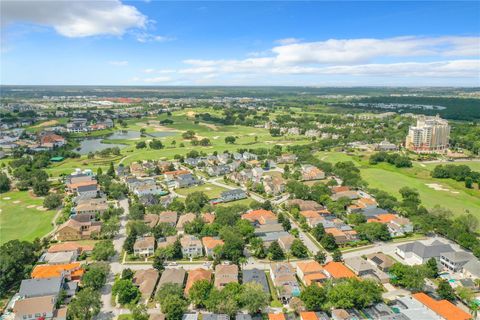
point(209, 125)
point(436, 187)
point(191, 114)
point(46, 124)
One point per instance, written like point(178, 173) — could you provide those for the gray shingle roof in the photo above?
point(426, 251)
point(258, 276)
point(41, 287)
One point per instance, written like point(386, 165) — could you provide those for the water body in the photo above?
point(96, 144)
point(92, 145)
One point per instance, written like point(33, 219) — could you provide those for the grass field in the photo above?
point(20, 218)
point(212, 191)
point(391, 179)
point(457, 198)
point(474, 165)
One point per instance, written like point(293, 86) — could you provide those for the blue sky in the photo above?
point(316, 43)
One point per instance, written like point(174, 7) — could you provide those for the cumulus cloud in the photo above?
point(288, 41)
point(118, 63)
point(75, 18)
point(156, 80)
point(439, 57)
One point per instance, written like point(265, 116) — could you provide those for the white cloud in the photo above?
point(75, 18)
point(144, 37)
point(288, 41)
point(118, 63)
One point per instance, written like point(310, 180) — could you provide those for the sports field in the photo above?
point(22, 217)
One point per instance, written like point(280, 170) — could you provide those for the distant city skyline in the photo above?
point(109, 42)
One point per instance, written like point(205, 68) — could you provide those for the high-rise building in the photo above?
point(431, 134)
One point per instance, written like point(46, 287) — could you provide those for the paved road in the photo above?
point(108, 311)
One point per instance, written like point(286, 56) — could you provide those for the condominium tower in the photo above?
point(430, 135)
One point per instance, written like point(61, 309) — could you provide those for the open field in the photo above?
point(20, 217)
point(453, 198)
point(212, 191)
point(474, 165)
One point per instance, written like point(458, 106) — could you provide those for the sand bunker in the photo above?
point(216, 137)
point(6, 198)
point(16, 201)
point(208, 188)
point(31, 206)
point(191, 114)
point(436, 187)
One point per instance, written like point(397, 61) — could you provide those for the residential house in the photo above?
point(256, 276)
point(151, 219)
point(70, 271)
point(261, 230)
point(232, 195)
point(342, 314)
point(305, 205)
point(146, 281)
point(362, 268)
point(42, 307)
point(208, 217)
point(172, 175)
point(381, 261)
point(167, 241)
point(287, 158)
point(472, 269)
point(225, 274)
point(144, 246)
point(30, 288)
point(310, 272)
point(271, 236)
point(175, 276)
point(283, 277)
point(52, 140)
point(455, 260)
point(351, 194)
point(209, 244)
point(220, 170)
point(138, 170)
point(168, 217)
point(74, 230)
point(185, 181)
point(88, 191)
point(342, 234)
point(91, 206)
point(273, 185)
point(400, 226)
point(183, 219)
point(337, 270)
point(310, 173)
point(418, 253)
point(286, 241)
point(197, 275)
point(69, 246)
point(64, 257)
point(362, 204)
point(215, 316)
point(260, 217)
point(443, 308)
point(276, 316)
point(191, 246)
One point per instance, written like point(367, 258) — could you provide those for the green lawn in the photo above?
point(20, 218)
point(474, 165)
point(212, 191)
point(457, 198)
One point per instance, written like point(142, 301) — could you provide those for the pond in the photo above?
point(92, 145)
point(124, 134)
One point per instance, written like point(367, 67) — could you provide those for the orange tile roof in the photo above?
point(276, 316)
point(340, 189)
point(383, 218)
point(363, 202)
point(338, 270)
point(81, 184)
point(210, 242)
point(260, 215)
point(443, 308)
point(309, 267)
point(49, 271)
point(208, 217)
point(314, 278)
point(310, 315)
point(69, 246)
point(335, 232)
point(310, 214)
point(177, 172)
point(197, 275)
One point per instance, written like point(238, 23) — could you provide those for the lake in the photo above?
point(92, 145)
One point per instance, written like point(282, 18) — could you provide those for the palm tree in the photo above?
point(242, 261)
point(474, 309)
